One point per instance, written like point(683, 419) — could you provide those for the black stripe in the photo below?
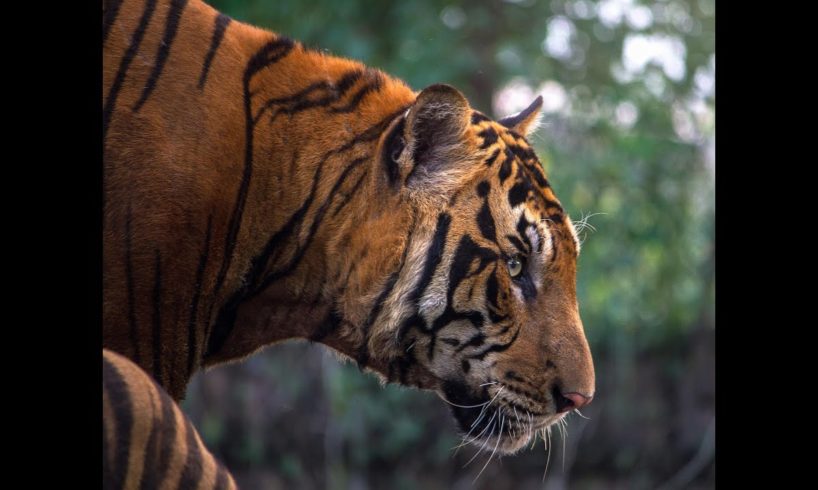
point(192, 325)
point(493, 291)
point(505, 168)
point(260, 262)
point(522, 227)
point(434, 255)
point(220, 27)
point(355, 101)
point(486, 222)
point(269, 54)
point(348, 195)
point(171, 26)
point(151, 459)
point(122, 409)
point(318, 217)
point(519, 192)
point(167, 444)
point(496, 347)
point(363, 349)
point(477, 117)
point(129, 284)
point(518, 244)
point(489, 136)
point(492, 158)
point(333, 91)
point(119, 79)
point(192, 473)
point(227, 314)
point(157, 321)
point(476, 341)
point(467, 250)
point(110, 10)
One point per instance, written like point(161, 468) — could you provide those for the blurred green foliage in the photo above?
point(628, 141)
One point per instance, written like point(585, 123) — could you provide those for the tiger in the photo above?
point(256, 190)
point(146, 438)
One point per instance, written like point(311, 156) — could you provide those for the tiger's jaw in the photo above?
point(490, 423)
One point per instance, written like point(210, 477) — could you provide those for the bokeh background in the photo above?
point(628, 142)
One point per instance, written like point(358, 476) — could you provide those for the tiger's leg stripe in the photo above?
point(221, 23)
point(176, 448)
point(151, 479)
point(129, 284)
point(111, 10)
point(171, 27)
point(268, 55)
point(127, 394)
point(157, 320)
point(192, 472)
point(116, 424)
point(122, 421)
point(148, 442)
point(133, 48)
point(168, 436)
point(193, 343)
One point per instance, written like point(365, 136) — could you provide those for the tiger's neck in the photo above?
point(272, 224)
point(314, 123)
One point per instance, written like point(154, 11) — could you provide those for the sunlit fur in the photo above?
point(258, 191)
point(147, 442)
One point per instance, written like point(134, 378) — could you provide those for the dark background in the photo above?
point(628, 142)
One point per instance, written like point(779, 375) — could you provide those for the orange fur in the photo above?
point(147, 442)
point(265, 205)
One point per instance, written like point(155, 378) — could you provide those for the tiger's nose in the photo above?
point(570, 401)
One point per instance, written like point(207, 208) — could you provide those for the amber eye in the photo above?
point(515, 266)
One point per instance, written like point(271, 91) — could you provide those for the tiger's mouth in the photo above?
point(489, 422)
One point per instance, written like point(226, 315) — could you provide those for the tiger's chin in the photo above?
point(491, 426)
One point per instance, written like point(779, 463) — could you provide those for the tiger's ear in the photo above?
point(434, 132)
point(526, 121)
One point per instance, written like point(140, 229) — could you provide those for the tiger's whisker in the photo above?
point(488, 438)
point(499, 435)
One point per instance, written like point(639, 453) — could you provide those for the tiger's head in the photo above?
point(483, 308)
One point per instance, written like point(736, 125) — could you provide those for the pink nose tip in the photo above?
point(572, 401)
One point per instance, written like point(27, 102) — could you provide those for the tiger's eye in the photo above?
point(515, 266)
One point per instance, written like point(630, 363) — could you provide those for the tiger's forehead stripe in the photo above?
point(508, 147)
point(512, 150)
